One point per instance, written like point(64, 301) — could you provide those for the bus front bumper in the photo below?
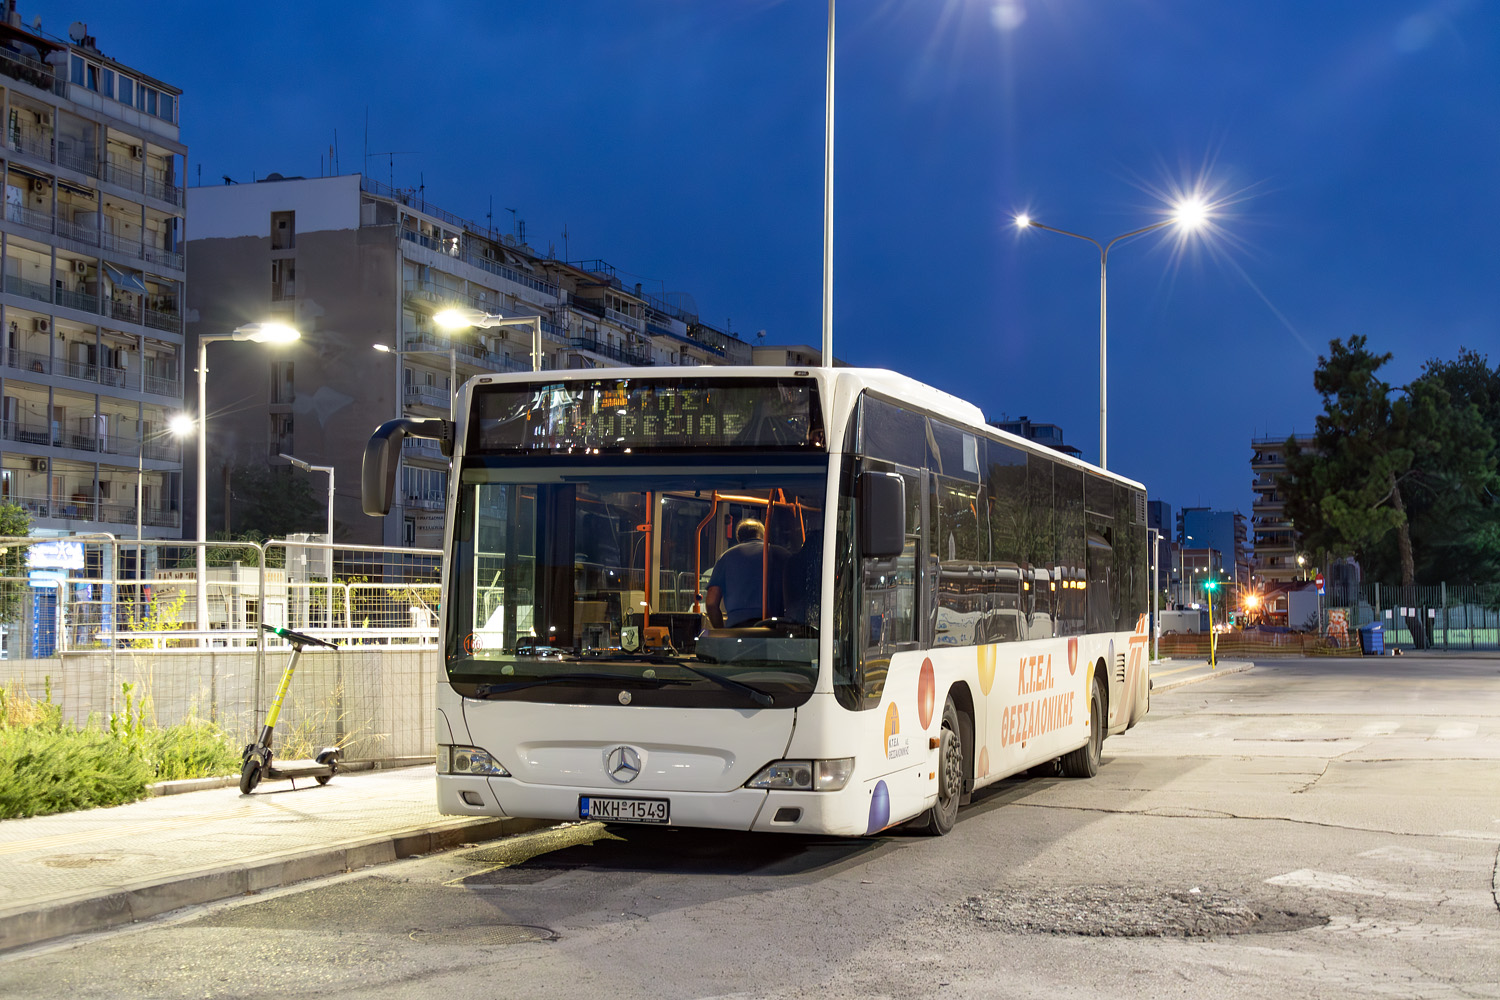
point(844, 813)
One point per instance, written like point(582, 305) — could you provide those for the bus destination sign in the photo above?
point(652, 415)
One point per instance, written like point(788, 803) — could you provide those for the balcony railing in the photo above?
point(163, 190)
point(26, 432)
point(82, 301)
point(609, 351)
point(126, 174)
point(33, 140)
point(29, 360)
point(165, 258)
point(31, 218)
point(38, 290)
point(78, 232)
point(125, 309)
point(170, 322)
point(163, 385)
point(427, 395)
point(28, 70)
point(83, 159)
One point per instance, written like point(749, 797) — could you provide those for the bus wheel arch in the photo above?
point(1084, 762)
point(955, 754)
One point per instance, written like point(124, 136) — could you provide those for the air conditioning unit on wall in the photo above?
point(137, 153)
point(80, 267)
point(42, 324)
point(38, 185)
point(38, 465)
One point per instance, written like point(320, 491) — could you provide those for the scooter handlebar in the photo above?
point(297, 637)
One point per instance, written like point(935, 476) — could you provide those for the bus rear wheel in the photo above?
point(1084, 762)
point(950, 774)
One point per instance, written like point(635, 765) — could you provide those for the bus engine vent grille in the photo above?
point(1120, 667)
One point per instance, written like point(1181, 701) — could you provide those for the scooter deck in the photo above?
point(297, 769)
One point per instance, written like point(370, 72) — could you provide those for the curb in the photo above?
point(1231, 667)
point(226, 780)
point(98, 910)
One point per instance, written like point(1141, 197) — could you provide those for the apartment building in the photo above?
point(1050, 435)
point(93, 266)
point(1275, 539)
point(362, 269)
point(1224, 531)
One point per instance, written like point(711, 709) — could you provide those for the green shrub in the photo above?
point(58, 770)
point(193, 749)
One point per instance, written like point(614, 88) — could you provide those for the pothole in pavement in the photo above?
point(1123, 911)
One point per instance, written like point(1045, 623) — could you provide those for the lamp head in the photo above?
point(267, 333)
point(1023, 221)
point(456, 319)
point(1190, 213)
point(181, 425)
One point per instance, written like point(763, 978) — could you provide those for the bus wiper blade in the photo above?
point(489, 690)
point(758, 696)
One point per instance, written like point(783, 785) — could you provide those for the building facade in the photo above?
point(1276, 541)
point(1049, 435)
point(356, 265)
point(1159, 519)
point(94, 276)
point(1224, 531)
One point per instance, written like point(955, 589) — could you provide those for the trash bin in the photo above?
point(1372, 640)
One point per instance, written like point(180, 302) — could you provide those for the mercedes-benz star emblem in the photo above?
point(623, 764)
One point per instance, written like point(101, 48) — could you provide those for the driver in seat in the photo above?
point(738, 581)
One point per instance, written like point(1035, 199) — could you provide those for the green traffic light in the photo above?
point(1211, 585)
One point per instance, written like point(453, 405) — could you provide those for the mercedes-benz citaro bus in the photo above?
point(941, 604)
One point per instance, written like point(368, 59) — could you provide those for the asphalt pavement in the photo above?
point(71, 873)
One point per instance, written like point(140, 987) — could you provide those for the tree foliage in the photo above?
point(1404, 480)
point(14, 523)
point(273, 504)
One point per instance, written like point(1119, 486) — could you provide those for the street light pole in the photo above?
point(328, 469)
point(1188, 215)
point(828, 201)
point(462, 318)
point(264, 333)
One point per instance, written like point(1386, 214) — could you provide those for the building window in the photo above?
point(282, 386)
point(127, 90)
point(283, 230)
point(283, 280)
point(281, 434)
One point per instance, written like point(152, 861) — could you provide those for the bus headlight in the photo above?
point(468, 760)
point(805, 775)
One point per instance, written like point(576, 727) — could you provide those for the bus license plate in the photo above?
point(618, 810)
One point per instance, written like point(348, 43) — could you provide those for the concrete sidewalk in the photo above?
point(1167, 674)
point(83, 871)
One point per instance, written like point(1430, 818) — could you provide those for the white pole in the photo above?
point(202, 588)
point(828, 202)
point(330, 546)
point(1103, 367)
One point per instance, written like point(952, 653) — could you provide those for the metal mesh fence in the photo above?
point(84, 628)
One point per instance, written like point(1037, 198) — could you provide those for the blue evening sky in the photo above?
point(1353, 149)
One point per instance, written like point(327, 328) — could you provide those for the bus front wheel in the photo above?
point(1084, 762)
point(950, 774)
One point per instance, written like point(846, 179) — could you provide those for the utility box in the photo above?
point(1302, 610)
point(1188, 622)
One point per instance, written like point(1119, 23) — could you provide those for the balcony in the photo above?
point(426, 501)
point(31, 218)
point(84, 159)
point(32, 140)
point(428, 395)
point(164, 258)
point(163, 190)
point(625, 357)
point(125, 174)
point(82, 301)
point(28, 70)
point(38, 290)
point(26, 431)
point(169, 321)
point(125, 309)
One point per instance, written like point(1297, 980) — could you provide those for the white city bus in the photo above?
point(943, 604)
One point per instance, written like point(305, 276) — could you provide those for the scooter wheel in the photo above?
point(249, 775)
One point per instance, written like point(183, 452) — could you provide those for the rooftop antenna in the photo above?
point(78, 31)
point(390, 155)
point(489, 217)
point(565, 242)
point(512, 220)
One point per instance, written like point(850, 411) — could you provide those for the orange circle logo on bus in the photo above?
point(984, 762)
point(926, 694)
point(1072, 657)
point(892, 728)
point(988, 655)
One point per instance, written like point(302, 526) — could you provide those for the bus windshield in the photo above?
point(657, 583)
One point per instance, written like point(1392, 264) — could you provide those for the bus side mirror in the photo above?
point(377, 477)
point(882, 515)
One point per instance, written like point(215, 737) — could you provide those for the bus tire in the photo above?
point(1084, 762)
point(952, 755)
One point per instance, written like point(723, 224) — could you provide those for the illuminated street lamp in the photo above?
point(1186, 215)
point(260, 333)
point(462, 318)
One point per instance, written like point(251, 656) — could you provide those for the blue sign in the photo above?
point(59, 554)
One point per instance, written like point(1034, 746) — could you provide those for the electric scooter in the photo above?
point(258, 760)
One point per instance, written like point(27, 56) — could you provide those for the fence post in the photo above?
point(1443, 596)
point(260, 639)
